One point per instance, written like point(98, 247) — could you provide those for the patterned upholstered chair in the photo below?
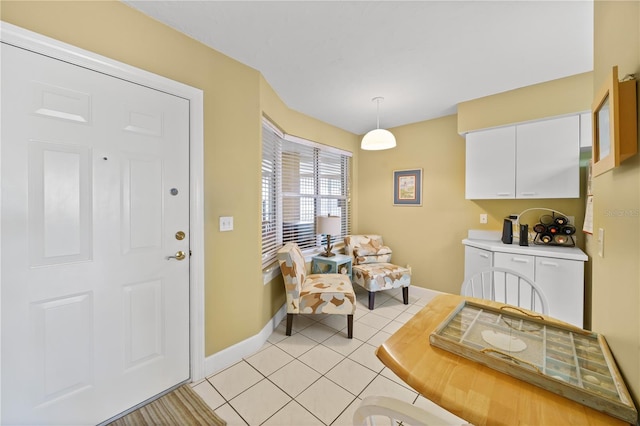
point(372, 268)
point(315, 293)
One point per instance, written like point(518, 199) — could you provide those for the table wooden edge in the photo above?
point(410, 356)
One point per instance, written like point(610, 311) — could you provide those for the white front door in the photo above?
point(95, 198)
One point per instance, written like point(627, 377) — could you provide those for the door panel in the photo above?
point(142, 204)
point(62, 333)
point(60, 220)
point(143, 322)
point(95, 318)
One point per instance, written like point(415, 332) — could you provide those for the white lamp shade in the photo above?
point(378, 139)
point(328, 225)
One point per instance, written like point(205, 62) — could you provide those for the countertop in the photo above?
point(557, 252)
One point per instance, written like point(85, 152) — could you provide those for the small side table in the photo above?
point(338, 264)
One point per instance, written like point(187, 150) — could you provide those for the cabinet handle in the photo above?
point(485, 255)
point(543, 263)
point(528, 194)
point(519, 260)
point(503, 194)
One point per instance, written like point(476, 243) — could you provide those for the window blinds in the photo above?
point(300, 181)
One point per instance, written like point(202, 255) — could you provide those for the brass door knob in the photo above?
point(180, 255)
point(180, 235)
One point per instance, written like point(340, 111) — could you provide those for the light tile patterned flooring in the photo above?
point(316, 376)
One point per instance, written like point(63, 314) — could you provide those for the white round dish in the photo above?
point(504, 341)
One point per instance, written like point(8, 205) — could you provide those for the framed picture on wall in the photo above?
point(407, 187)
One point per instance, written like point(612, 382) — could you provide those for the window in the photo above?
point(300, 180)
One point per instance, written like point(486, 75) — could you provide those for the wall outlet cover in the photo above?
point(226, 223)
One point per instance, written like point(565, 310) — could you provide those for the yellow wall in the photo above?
point(237, 304)
point(557, 97)
point(616, 276)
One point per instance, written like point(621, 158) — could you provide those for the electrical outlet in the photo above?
point(483, 218)
point(226, 223)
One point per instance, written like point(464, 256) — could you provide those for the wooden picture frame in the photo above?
point(615, 128)
point(407, 187)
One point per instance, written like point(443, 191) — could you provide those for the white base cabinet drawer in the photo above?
point(521, 263)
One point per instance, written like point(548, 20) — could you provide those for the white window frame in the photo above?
point(272, 181)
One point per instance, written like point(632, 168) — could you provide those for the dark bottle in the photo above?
point(539, 228)
point(546, 238)
point(561, 220)
point(560, 239)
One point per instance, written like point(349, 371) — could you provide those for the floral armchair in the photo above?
point(372, 268)
point(315, 293)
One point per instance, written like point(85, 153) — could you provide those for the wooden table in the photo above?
point(476, 393)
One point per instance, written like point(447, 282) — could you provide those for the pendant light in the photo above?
point(379, 138)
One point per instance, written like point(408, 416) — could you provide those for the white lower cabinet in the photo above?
point(561, 280)
point(475, 260)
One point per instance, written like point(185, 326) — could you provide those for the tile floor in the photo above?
point(316, 376)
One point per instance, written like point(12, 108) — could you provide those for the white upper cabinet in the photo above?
point(548, 158)
point(532, 160)
point(490, 163)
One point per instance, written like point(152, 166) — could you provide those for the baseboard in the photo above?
point(422, 293)
point(233, 354)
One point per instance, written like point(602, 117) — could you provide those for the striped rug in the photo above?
point(180, 407)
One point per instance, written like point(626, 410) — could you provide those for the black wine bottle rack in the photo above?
point(554, 230)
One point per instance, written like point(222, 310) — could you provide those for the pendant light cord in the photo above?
point(378, 99)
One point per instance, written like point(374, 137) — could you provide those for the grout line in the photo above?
point(318, 320)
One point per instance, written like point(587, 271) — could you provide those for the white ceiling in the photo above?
point(328, 59)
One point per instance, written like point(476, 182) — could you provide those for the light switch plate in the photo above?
point(600, 242)
point(226, 223)
point(483, 218)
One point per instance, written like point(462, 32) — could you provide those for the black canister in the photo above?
point(524, 235)
point(507, 231)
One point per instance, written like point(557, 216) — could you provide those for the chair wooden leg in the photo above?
point(405, 295)
point(372, 299)
point(289, 323)
point(350, 326)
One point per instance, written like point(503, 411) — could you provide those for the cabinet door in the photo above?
point(490, 164)
point(548, 158)
point(562, 282)
point(475, 260)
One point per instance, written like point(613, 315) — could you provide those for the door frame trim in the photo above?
point(22, 38)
